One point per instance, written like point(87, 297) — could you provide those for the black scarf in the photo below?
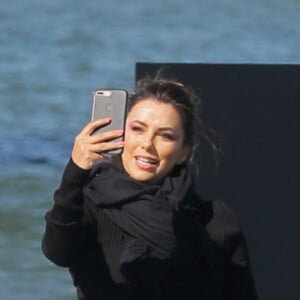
point(153, 216)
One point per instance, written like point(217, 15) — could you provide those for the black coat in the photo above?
point(81, 237)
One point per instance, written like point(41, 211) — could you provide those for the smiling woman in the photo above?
point(135, 227)
point(154, 141)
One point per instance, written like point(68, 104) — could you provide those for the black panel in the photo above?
point(256, 107)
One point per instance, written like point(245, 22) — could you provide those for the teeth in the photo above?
point(145, 160)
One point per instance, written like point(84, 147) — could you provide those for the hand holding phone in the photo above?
point(110, 103)
point(102, 137)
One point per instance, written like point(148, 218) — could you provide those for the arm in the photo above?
point(69, 224)
point(239, 283)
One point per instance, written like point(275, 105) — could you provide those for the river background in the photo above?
point(53, 54)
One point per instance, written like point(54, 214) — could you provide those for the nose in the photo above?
point(147, 142)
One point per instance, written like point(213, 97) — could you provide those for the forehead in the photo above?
point(154, 111)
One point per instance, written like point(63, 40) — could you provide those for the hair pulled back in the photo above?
point(188, 104)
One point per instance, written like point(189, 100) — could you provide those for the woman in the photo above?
point(134, 227)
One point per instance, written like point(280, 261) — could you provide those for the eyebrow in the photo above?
point(160, 129)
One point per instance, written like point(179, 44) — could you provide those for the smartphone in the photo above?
point(110, 103)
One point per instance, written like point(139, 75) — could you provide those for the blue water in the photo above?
point(53, 54)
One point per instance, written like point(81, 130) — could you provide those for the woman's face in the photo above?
point(153, 141)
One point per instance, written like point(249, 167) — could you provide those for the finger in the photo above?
point(106, 147)
point(106, 136)
point(94, 125)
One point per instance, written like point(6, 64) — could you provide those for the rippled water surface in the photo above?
point(54, 53)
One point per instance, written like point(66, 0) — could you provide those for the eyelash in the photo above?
point(136, 128)
point(167, 136)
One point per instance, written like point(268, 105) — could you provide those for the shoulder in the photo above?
point(224, 223)
point(219, 220)
point(224, 217)
point(224, 229)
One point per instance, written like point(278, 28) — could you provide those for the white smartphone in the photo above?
point(110, 103)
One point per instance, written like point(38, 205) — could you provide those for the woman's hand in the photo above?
point(89, 148)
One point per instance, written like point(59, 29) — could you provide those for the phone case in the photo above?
point(110, 103)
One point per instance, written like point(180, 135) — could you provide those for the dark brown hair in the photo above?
point(188, 104)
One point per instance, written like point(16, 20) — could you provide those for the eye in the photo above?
point(136, 128)
point(168, 136)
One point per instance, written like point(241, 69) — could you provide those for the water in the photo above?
point(54, 53)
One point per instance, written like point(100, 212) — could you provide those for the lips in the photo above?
point(146, 162)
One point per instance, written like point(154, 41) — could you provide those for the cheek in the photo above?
point(169, 152)
point(129, 141)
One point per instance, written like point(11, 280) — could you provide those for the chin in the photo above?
point(143, 178)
